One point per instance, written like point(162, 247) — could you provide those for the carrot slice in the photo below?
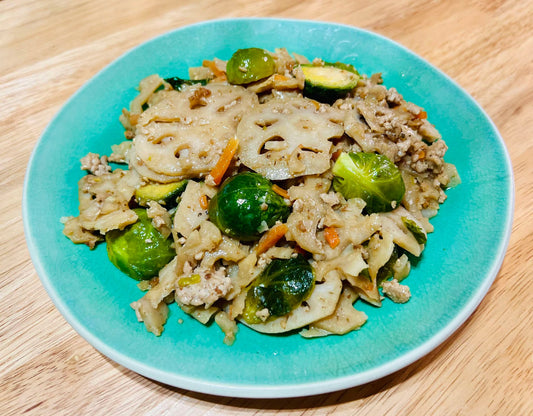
point(225, 159)
point(278, 77)
point(280, 191)
point(203, 202)
point(271, 237)
point(422, 114)
point(335, 155)
point(331, 236)
point(213, 67)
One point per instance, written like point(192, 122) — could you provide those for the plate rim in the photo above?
point(267, 390)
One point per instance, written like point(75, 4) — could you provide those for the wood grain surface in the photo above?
point(49, 48)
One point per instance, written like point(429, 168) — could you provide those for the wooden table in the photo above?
point(48, 49)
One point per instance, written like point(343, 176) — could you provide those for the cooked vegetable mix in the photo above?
point(267, 189)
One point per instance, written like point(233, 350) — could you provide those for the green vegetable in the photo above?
point(417, 231)
point(165, 194)
point(366, 274)
point(249, 65)
point(282, 286)
point(139, 250)
point(246, 206)
point(329, 82)
point(342, 65)
point(371, 177)
point(387, 270)
point(177, 83)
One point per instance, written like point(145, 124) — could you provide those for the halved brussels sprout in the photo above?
point(371, 177)
point(281, 287)
point(139, 250)
point(249, 65)
point(246, 206)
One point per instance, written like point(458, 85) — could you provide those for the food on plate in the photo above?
point(268, 190)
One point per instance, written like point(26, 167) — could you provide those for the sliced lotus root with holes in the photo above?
point(184, 134)
point(290, 137)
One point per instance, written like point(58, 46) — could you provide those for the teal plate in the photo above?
point(461, 260)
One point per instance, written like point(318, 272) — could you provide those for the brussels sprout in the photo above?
point(246, 206)
point(249, 65)
point(282, 286)
point(139, 250)
point(417, 231)
point(371, 177)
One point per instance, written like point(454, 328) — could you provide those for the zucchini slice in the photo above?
point(164, 193)
point(328, 83)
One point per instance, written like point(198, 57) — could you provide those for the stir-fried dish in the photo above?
point(268, 190)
